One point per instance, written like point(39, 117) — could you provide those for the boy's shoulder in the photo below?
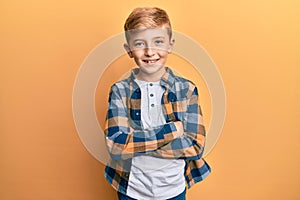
point(180, 80)
point(123, 83)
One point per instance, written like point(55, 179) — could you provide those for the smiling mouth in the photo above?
point(151, 61)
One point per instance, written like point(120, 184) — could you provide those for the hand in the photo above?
point(179, 127)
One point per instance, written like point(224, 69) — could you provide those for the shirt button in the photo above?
point(137, 113)
point(152, 105)
point(151, 84)
point(151, 95)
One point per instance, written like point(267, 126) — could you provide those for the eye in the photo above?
point(159, 42)
point(139, 44)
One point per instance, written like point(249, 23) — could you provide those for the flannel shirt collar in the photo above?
point(167, 80)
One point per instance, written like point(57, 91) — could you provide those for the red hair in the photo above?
point(147, 18)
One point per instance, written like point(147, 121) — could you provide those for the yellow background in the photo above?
point(255, 45)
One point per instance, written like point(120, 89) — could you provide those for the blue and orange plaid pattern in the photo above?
point(126, 137)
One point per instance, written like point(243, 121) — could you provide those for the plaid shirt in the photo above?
point(126, 137)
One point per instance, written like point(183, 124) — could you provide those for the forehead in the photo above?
point(145, 34)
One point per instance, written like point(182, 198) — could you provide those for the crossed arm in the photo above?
point(175, 139)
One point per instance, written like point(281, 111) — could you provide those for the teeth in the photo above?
point(150, 61)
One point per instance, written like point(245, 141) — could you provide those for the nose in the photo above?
point(149, 51)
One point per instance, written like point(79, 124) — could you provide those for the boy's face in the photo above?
point(149, 48)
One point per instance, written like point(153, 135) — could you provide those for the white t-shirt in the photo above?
point(150, 177)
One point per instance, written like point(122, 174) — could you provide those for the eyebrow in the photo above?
point(158, 37)
point(137, 40)
point(163, 37)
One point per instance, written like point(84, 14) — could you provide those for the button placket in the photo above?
point(152, 101)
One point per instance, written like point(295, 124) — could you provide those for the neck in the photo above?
point(153, 77)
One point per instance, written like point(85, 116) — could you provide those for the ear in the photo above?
point(128, 50)
point(170, 49)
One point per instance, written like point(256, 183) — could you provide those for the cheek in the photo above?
point(164, 54)
point(137, 54)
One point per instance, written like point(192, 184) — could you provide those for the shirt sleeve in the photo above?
point(123, 141)
point(191, 144)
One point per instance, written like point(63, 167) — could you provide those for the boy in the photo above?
point(154, 130)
